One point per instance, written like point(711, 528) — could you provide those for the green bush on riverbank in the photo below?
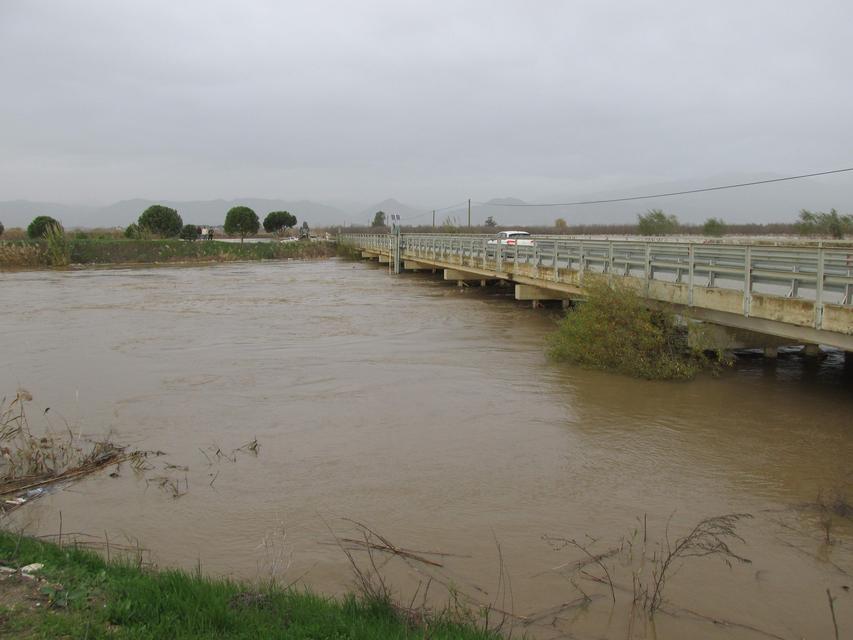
point(615, 330)
point(23, 253)
point(82, 596)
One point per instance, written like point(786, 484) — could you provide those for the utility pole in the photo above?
point(433, 218)
point(469, 213)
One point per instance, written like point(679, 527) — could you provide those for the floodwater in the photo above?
point(431, 415)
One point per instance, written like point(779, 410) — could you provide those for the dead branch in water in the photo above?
point(372, 585)
point(30, 463)
point(708, 537)
point(832, 611)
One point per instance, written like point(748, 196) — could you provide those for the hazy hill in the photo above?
point(389, 206)
point(776, 202)
point(19, 213)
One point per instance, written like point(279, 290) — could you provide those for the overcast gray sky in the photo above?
point(428, 102)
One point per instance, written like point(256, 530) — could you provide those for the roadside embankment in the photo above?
point(34, 254)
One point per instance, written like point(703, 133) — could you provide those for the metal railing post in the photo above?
point(818, 291)
point(691, 262)
point(747, 280)
point(554, 261)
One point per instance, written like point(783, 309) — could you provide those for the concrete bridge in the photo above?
point(754, 294)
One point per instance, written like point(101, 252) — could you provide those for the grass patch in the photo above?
point(82, 596)
point(614, 330)
point(347, 251)
point(85, 251)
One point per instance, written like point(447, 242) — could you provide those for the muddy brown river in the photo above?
point(432, 416)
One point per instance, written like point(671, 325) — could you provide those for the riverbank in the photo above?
point(35, 254)
point(78, 594)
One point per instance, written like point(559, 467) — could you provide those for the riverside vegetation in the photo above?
point(49, 591)
point(78, 594)
point(613, 329)
point(64, 250)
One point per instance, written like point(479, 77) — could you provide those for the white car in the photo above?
point(520, 238)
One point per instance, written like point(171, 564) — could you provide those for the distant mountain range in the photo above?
point(777, 202)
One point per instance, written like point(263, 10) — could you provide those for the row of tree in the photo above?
point(811, 223)
point(167, 223)
point(657, 223)
point(242, 221)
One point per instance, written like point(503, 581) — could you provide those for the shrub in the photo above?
point(190, 232)
point(2, 228)
point(278, 220)
point(714, 227)
point(242, 221)
point(819, 223)
point(39, 226)
point(656, 223)
point(132, 231)
point(58, 251)
point(615, 330)
point(163, 221)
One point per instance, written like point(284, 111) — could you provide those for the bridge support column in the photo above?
point(812, 351)
point(413, 265)
point(538, 294)
point(461, 276)
point(709, 336)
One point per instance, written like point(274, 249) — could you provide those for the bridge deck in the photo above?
point(800, 292)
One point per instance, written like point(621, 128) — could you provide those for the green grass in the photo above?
point(85, 597)
point(27, 253)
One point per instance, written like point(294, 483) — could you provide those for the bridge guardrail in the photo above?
point(821, 274)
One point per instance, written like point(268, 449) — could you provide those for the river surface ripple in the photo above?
point(431, 415)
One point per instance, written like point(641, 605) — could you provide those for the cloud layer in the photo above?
point(428, 102)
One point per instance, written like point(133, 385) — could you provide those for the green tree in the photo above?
point(378, 219)
point(304, 231)
point(819, 223)
point(132, 231)
point(278, 220)
point(40, 225)
point(490, 222)
point(715, 227)
point(190, 232)
point(242, 221)
point(561, 224)
point(2, 228)
point(656, 223)
point(160, 220)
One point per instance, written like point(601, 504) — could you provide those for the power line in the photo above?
point(430, 211)
point(664, 195)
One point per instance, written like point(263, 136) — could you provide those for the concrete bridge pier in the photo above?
point(537, 295)
point(414, 265)
point(812, 351)
point(706, 335)
point(462, 278)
